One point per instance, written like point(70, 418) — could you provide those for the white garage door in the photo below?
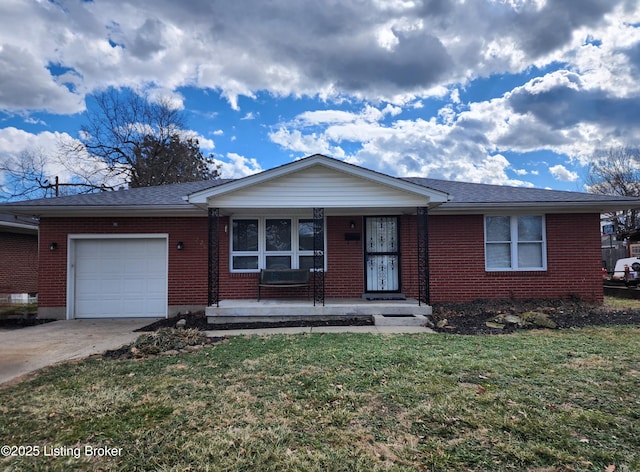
point(120, 278)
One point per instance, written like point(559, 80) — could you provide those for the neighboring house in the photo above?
point(18, 258)
point(363, 234)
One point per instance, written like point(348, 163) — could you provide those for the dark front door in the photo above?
point(382, 254)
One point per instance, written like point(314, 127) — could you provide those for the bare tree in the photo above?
point(617, 172)
point(142, 143)
point(33, 174)
point(126, 140)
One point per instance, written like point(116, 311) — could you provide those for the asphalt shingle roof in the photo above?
point(161, 195)
point(463, 194)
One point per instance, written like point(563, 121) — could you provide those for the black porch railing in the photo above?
point(214, 257)
point(423, 255)
point(318, 256)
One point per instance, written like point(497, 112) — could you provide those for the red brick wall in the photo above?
point(18, 263)
point(456, 248)
point(457, 273)
point(187, 268)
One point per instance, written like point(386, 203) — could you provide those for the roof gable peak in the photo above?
point(313, 161)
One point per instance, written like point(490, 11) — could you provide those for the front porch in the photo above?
point(383, 312)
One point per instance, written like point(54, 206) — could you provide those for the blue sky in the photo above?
point(511, 92)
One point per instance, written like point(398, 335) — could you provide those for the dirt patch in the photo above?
point(472, 317)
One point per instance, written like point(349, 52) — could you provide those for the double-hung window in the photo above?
point(272, 243)
point(515, 243)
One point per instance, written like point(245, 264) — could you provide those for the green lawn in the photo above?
point(542, 400)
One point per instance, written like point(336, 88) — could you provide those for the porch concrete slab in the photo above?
point(265, 309)
point(25, 350)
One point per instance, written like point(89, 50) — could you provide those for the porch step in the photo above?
point(400, 320)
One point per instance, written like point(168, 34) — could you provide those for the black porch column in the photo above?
point(423, 255)
point(214, 257)
point(318, 256)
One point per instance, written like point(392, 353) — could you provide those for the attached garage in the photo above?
point(124, 277)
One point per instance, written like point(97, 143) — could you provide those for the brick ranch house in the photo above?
point(18, 258)
point(363, 235)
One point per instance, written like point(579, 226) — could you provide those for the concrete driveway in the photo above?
point(23, 351)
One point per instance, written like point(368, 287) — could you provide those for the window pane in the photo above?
point(278, 235)
point(245, 262)
point(530, 255)
point(498, 228)
point(306, 262)
point(305, 235)
point(278, 262)
point(498, 256)
point(530, 228)
point(245, 235)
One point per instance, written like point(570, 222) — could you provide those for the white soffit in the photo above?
point(318, 181)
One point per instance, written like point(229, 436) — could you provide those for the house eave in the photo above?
point(106, 211)
point(8, 227)
point(452, 208)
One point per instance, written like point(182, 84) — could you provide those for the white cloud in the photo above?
point(274, 46)
point(393, 60)
point(402, 148)
point(236, 166)
point(560, 172)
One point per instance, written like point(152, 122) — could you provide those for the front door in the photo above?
point(382, 254)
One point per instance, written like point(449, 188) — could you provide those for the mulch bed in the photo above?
point(198, 320)
point(471, 318)
point(17, 323)
point(462, 318)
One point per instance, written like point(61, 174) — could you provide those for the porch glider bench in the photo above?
point(284, 278)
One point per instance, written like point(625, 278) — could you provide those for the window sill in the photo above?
point(517, 273)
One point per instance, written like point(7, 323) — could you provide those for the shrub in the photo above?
point(167, 339)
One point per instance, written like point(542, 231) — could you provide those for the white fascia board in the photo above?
point(19, 227)
point(539, 207)
point(107, 210)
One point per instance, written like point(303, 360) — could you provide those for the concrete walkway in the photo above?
point(322, 329)
point(23, 351)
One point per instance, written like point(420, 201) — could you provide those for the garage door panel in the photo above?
point(120, 278)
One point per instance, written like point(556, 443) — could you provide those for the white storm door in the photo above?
point(382, 254)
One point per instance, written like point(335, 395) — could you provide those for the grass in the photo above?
point(18, 309)
point(621, 303)
point(537, 400)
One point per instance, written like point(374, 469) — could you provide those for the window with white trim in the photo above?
point(515, 242)
point(272, 243)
